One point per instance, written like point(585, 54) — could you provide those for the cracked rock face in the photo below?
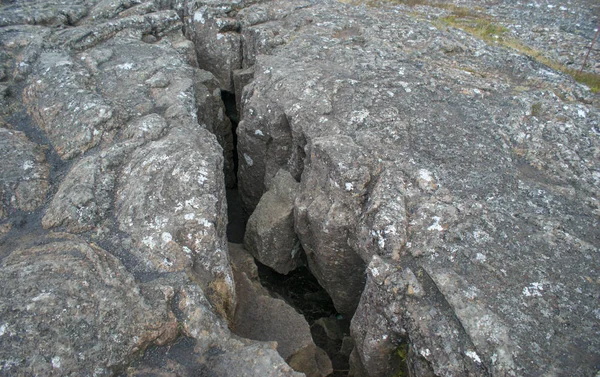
point(447, 197)
point(112, 196)
point(458, 176)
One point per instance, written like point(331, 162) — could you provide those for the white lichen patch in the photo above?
point(149, 242)
point(436, 224)
point(534, 290)
point(473, 355)
point(199, 17)
point(358, 117)
point(166, 237)
point(248, 160)
point(125, 66)
point(28, 165)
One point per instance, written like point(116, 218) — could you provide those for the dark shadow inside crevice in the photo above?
point(301, 290)
point(231, 112)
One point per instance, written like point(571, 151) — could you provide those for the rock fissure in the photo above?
point(454, 237)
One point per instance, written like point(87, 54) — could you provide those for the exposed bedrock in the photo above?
point(115, 151)
point(442, 189)
point(463, 175)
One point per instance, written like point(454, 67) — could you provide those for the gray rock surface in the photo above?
point(110, 131)
point(465, 175)
point(91, 323)
point(24, 173)
point(270, 235)
point(448, 195)
point(262, 317)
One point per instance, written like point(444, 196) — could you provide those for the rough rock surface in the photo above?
point(24, 173)
point(110, 132)
point(463, 174)
point(270, 235)
point(448, 194)
point(89, 323)
point(262, 317)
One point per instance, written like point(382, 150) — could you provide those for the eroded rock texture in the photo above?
point(113, 211)
point(443, 189)
point(465, 176)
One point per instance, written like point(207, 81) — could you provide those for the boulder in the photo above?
point(270, 235)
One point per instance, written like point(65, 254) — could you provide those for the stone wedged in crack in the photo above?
point(481, 178)
point(262, 317)
point(93, 322)
point(24, 173)
point(326, 214)
point(270, 235)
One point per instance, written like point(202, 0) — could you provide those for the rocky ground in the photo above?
point(435, 165)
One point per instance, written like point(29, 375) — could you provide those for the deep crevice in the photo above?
point(299, 288)
point(329, 329)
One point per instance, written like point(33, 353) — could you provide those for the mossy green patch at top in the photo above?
point(492, 32)
point(476, 23)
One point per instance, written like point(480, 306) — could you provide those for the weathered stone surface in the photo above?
point(241, 78)
point(120, 96)
point(44, 12)
point(262, 317)
point(91, 323)
point(270, 235)
point(464, 175)
point(471, 181)
point(217, 40)
point(23, 173)
point(171, 201)
point(61, 101)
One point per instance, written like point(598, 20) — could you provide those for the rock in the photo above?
point(24, 173)
point(326, 214)
point(241, 78)
point(88, 114)
point(212, 114)
point(262, 317)
point(270, 235)
point(414, 145)
point(448, 186)
point(171, 201)
point(53, 325)
point(133, 135)
point(217, 41)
